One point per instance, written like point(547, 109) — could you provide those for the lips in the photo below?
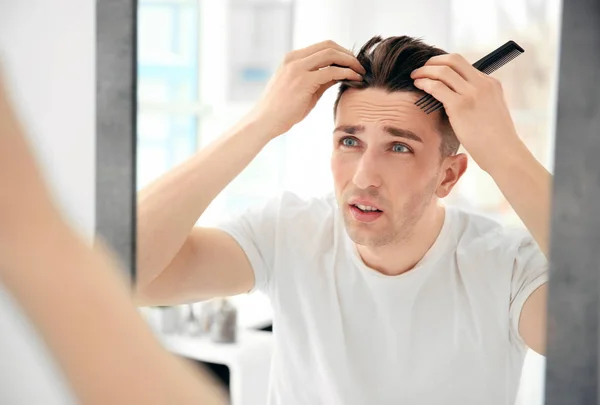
point(364, 210)
point(364, 216)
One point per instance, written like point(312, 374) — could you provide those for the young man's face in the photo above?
point(386, 153)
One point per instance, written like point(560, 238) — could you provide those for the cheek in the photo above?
point(407, 181)
point(342, 167)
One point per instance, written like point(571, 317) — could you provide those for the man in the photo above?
point(381, 293)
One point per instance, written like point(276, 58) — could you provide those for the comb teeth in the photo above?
point(496, 59)
point(423, 100)
point(501, 62)
point(434, 107)
point(429, 103)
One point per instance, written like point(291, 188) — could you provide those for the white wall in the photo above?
point(47, 49)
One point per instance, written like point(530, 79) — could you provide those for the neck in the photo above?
point(399, 257)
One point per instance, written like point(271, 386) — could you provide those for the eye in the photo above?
point(400, 148)
point(349, 142)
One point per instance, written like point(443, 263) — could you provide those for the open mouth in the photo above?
point(365, 213)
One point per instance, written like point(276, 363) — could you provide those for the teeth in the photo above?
point(366, 207)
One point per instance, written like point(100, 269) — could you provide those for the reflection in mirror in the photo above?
point(306, 238)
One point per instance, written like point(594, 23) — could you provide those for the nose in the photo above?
point(367, 172)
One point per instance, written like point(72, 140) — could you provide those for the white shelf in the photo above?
point(203, 349)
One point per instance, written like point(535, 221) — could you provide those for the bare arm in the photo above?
point(86, 317)
point(179, 263)
point(477, 110)
point(75, 298)
point(169, 208)
point(527, 185)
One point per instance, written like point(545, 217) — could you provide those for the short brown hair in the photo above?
point(389, 63)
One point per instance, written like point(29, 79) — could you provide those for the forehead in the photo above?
point(376, 107)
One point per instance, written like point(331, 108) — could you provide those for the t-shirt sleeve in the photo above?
point(530, 271)
point(254, 230)
point(262, 232)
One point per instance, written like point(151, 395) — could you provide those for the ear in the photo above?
point(452, 169)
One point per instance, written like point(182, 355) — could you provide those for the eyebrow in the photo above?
point(394, 131)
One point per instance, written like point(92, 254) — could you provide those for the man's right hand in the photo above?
point(301, 80)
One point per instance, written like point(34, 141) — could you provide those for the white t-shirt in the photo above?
point(445, 332)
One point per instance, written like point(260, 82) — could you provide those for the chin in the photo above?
point(362, 235)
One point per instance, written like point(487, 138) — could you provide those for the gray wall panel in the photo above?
point(572, 360)
point(116, 82)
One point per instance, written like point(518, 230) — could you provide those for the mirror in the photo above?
point(322, 304)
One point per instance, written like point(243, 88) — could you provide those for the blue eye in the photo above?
point(348, 142)
point(398, 147)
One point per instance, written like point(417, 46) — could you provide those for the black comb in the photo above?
point(488, 64)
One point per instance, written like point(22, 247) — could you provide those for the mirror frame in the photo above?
point(572, 348)
point(116, 128)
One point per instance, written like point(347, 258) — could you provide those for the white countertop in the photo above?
point(248, 360)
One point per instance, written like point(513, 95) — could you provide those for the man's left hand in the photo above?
point(475, 105)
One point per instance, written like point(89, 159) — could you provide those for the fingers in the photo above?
point(312, 49)
point(334, 74)
point(322, 55)
point(328, 57)
point(445, 74)
point(458, 63)
point(439, 90)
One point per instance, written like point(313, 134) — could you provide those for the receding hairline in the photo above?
point(387, 91)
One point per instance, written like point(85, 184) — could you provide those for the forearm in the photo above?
point(76, 299)
point(24, 198)
point(169, 207)
point(527, 186)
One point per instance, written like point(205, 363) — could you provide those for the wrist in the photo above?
point(263, 126)
point(510, 162)
point(507, 155)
